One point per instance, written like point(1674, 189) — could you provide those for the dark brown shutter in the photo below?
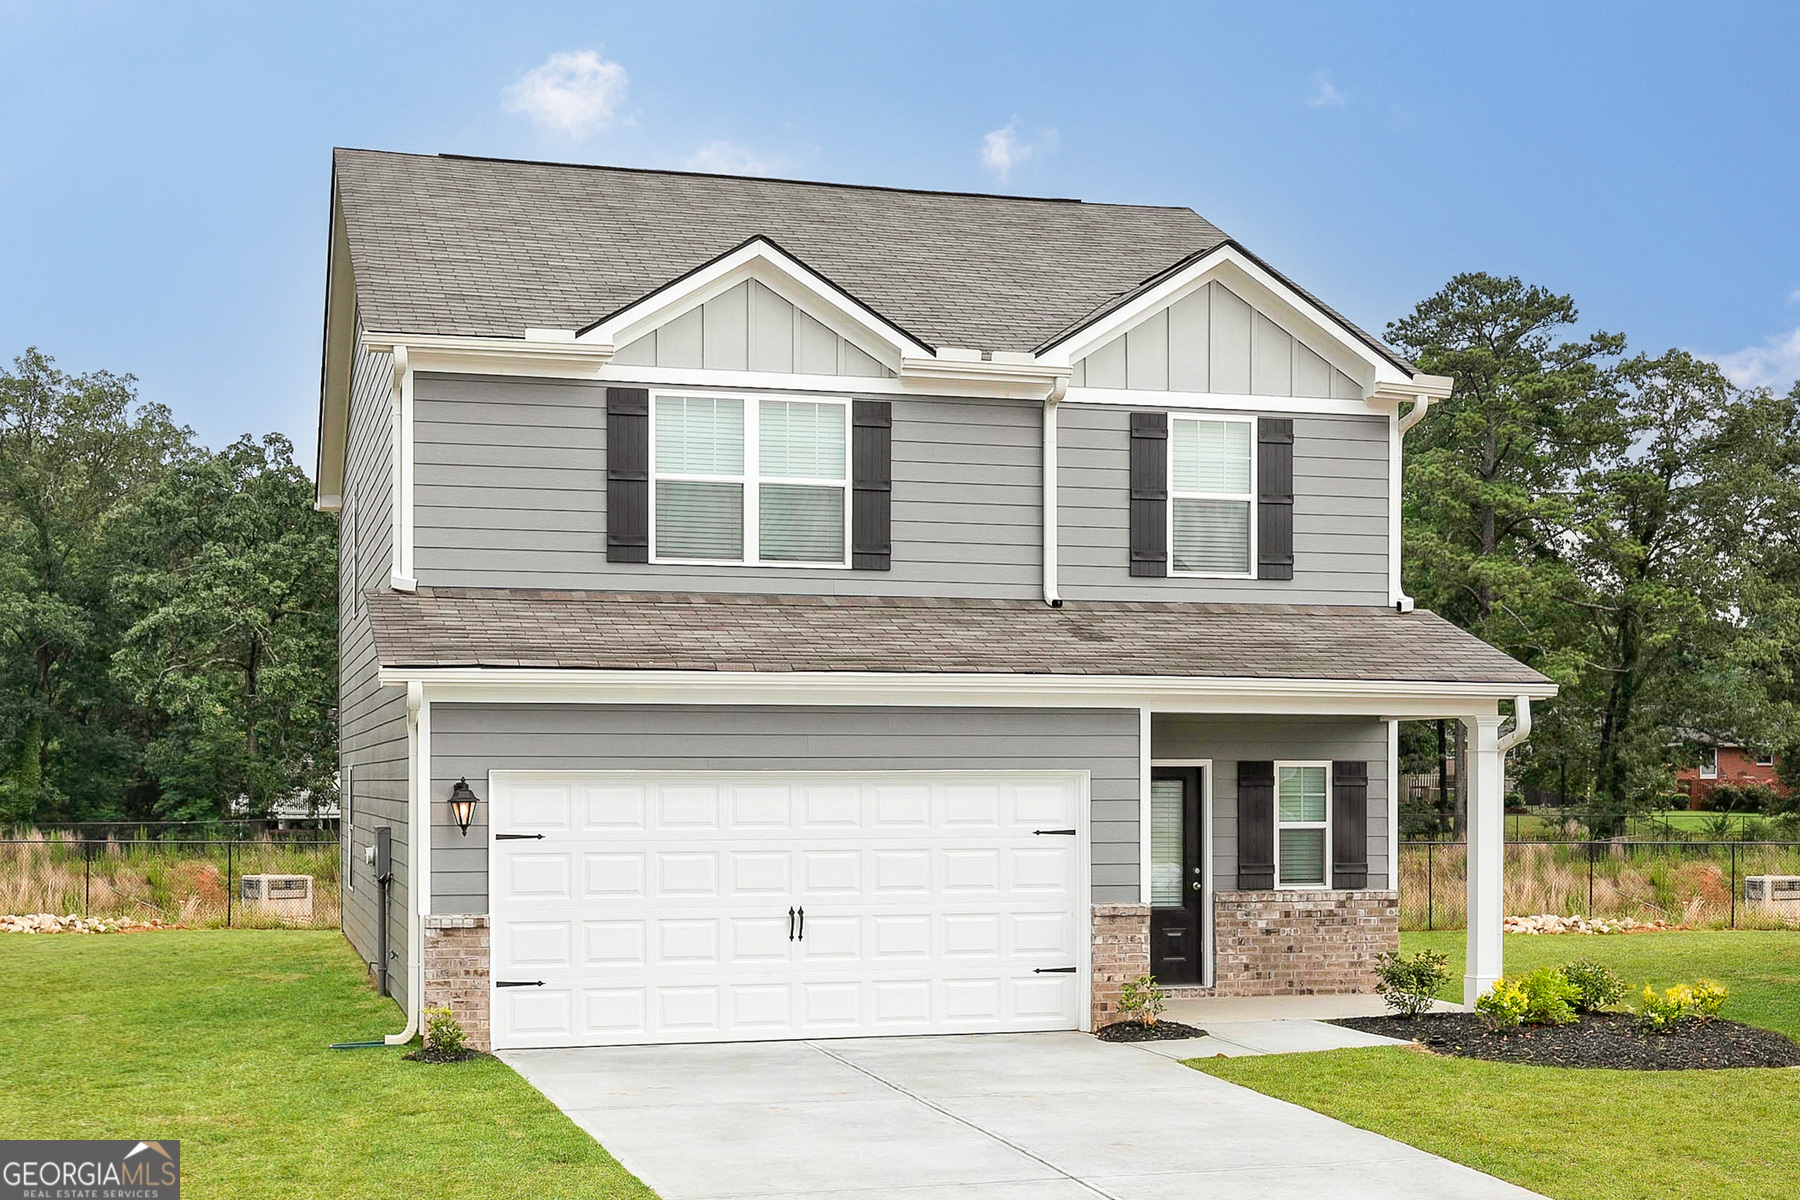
point(1149, 494)
point(1256, 825)
point(871, 485)
point(1349, 824)
point(1275, 498)
point(627, 475)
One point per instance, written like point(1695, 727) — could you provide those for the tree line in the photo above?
point(168, 614)
point(1627, 523)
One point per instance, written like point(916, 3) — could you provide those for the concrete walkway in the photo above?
point(1050, 1116)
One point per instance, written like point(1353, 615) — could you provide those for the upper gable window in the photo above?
point(754, 481)
point(1212, 469)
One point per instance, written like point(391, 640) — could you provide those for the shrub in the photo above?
point(1664, 1013)
point(1408, 985)
point(1596, 986)
point(1549, 997)
point(1709, 998)
point(1504, 1006)
point(1744, 797)
point(443, 1032)
point(1141, 999)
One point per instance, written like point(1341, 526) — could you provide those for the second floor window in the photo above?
point(748, 480)
point(1211, 495)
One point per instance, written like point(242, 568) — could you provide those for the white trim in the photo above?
point(1228, 402)
point(1208, 972)
point(418, 852)
point(750, 480)
point(1145, 763)
point(1324, 825)
point(1395, 596)
point(1249, 499)
point(1393, 806)
point(1329, 697)
point(1278, 301)
point(347, 827)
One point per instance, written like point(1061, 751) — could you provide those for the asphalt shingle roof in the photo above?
point(476, 627)
point(486, 248)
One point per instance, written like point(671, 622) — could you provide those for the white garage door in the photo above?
point(682, 907)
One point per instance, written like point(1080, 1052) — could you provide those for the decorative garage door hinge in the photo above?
point(1039, 971)
point(518, 837)
point(1058, 832)
point(540, 983)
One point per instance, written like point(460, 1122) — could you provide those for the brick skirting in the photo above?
point(1300, 943)
point(1121, 953)
point(456, 971)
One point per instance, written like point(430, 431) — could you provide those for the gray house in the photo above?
point(779, 609)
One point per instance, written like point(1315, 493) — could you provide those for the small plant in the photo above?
point(1596, 986)
point(1504, 1006)
point(1709, 998)
point(1408, 985)
point(1664, 1013)
point(444, 1035)
point(1141, 1000)
point(1549, 997)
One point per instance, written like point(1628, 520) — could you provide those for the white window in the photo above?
point(1709, 762)
point(744, 480)
point(1168, 817)
point(1302, 824)
point(1765, 758)
point(1212, 496)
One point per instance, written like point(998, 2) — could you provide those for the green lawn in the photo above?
point(1582, 1135)
point(219, 1038)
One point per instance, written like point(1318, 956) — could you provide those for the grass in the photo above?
point(219, 1038)
point(1582, 1134)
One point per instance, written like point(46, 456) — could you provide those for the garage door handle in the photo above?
point(790, 922)
point(803, 922)
point(518, 837)
point(1058, 832)
point(1053, 970)
point(518, 983)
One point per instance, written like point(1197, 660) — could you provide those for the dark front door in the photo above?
point(1177, 882)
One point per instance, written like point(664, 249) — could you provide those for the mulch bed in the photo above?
point(439, 1056)
point(1596, 1040)
point(1137, 1031)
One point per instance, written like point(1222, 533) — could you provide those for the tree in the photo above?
point(74, 452)
point(236, 647)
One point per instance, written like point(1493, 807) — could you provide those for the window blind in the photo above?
point(1167, 806)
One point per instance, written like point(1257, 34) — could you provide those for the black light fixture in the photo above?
point(462, 804)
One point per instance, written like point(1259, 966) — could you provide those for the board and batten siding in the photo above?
point(1340, 514)
point(469, 740)
point(510, 491)
point(1227, 740)
point(371, 719)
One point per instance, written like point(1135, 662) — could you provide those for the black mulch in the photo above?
point(1597, 1040)
point(1137, 1031)
point(439, 1056)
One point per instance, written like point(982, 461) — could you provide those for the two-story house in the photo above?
point(777, 609)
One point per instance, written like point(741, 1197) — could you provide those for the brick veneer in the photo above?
point(1301, 943)
point(456, 971)
point(1121, 953)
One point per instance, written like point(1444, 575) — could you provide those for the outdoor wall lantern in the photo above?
point(462, 804)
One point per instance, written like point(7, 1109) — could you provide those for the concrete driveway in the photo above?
point(1051, 1116)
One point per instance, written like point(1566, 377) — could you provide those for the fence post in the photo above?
point(1429, 846)
point(228, 848)
point(1734, 885)
point(87, 874)
point(1591, 848)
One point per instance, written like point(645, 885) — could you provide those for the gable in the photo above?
point(1213, 340)
point(748, 327)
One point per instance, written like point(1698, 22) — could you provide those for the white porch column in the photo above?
point(1486, 854)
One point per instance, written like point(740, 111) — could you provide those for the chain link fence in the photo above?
point(1697, 884)
point(193, 882)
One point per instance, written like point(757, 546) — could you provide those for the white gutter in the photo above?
point(418, 833)
point(1521, 724)
point(1059, 387)
point(1423, 391)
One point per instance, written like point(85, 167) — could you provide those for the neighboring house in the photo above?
point(1723, 763)
point(856, 610)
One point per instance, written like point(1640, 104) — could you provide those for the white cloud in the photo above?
point(729, 158)
point(1325, 94)
point(1794, 296)
point(1774, 364)
point(1003, 149)
point(574, 92)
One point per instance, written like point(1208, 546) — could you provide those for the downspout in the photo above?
point(1421, 404)
point(418, 830)
point(1059, 388)
point(1521, 725)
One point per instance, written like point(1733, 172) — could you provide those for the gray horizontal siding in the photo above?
point(1340, 515)
point(1227, 740)
point(469, 740)
point(510, 491)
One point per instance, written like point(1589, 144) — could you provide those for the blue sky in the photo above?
point(164, 167)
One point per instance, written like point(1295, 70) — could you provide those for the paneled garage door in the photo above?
point(681, 907)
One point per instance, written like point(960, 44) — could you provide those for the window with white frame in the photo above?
point(747, 480)
point(1765, 758)
point(1302, 824)
point(1212, 480)
point(1709, 762)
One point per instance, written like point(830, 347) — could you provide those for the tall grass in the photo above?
point(1684, 883)
point(178, 882)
